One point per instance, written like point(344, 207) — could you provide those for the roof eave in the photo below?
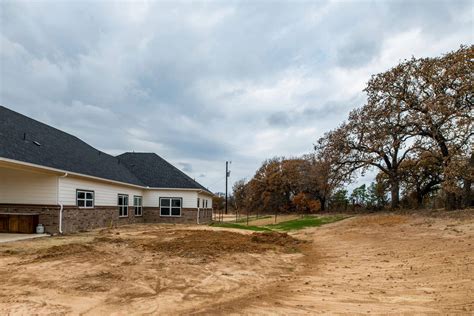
point(14, 162)
point(61, 171)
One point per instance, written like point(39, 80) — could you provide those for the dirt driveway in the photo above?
point(378, 264)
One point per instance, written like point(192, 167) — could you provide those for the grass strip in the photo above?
point(238, 226)
point(251, 218)
point(295, 224)
point(307, 221)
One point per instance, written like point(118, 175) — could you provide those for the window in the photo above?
point(198, 202)
point(123, 205)
point(170, 206)
point(137, 203)
point(85, 198)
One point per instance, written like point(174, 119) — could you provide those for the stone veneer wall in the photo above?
point(82, 219)
point(205, 216)
point(74, 219)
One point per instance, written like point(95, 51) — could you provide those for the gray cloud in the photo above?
point(186, 167)
point(206, 82)
point(331, 110)
point(358, 52)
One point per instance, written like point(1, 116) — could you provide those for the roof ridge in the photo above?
point(141, 171)
point(56, 148)
point(179, 170)
point(55, 128)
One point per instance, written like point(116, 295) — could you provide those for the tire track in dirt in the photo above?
point(383, 264)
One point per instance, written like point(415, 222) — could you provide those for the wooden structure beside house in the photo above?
point(52, 178)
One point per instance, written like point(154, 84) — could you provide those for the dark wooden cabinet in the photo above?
point(4, 223)
point(18, 223)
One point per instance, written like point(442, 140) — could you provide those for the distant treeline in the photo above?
point(416, 130)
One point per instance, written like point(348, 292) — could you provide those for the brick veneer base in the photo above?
point(80, 219)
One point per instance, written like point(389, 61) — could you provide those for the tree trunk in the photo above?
point(450, 201)
point(322, 201)
point(419, 199)
point(395, 193)
point(468, 201)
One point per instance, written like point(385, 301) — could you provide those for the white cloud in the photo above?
point(201, 83)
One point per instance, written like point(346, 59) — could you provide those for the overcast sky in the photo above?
point(204, 82)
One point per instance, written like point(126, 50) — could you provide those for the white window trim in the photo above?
point(170, 207)
point(85, 199)
point(123, 205)
point(139, 206)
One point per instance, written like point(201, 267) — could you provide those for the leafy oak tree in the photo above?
point(436, 94)
point(419, 105)
point(375, 135)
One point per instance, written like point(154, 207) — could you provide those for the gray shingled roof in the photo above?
point(20, 136)
point(27, 140)
point(156, 172)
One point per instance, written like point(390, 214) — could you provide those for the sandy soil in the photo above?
point(158, 269)
point(373, 263)
point(379, 264)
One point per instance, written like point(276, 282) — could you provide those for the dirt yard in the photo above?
point(372, 263)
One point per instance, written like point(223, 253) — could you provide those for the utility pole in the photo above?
point(227, 174)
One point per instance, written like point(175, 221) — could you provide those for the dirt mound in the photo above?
point(88, 288)
point(106, 231)
point(275, 238)
point(104, 276)
point(388, 220)
point(63, 250)
point(209, 244)
point(182, 243)
point(465, 214)
point(110, 240)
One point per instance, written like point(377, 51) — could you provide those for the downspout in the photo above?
point(61, 206)
point(198, 216)
point(198, 208)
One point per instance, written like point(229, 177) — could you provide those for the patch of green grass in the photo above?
point(243, 219)
point(238, 226)
point(295, 224)
point(307, 221)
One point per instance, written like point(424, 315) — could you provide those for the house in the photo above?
point(52, 178)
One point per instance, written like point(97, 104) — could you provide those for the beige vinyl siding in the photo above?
point(204, 197)
point(105, 194)
point(26, 187)
point(19, 186)
point(151, 197)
